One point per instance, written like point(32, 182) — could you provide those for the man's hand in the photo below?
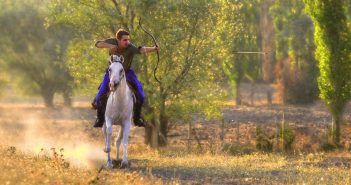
point(157, 49)
point(113, 48)
point(150, 49)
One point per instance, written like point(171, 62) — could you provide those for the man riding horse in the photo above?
point(121, 46)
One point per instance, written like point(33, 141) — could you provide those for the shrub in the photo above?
point(288, 137)
point(263, 142)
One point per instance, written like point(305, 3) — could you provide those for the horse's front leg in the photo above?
point(118, 141)
point(104, 132)
point(108, 134)
point(126, 130)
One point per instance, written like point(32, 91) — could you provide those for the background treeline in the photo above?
point(47, 48)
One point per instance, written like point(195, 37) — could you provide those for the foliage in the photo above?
point(328, 146)
point(34, 53)
point(287, 135)
point(294, 52)
point(189, 69)
point(240, 24)
point(333, 39)
point(237, 149)
point(263, 142)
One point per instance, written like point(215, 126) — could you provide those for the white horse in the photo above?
point(119, 110)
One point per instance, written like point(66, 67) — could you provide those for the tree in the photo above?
point(249, 28)
point(188, 69)
point(267, 44)
point(333, 39)
point(296, 67)
point(238, 30)
point(33, 52)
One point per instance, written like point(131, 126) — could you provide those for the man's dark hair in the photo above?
point(120, 33)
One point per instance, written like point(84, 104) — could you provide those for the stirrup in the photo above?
point(98, 123)
point(139, 122)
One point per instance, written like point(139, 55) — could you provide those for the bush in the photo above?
point(288, 137)
point(263, 142)
point(327, 146)
point(237, 149)
point(296, 86)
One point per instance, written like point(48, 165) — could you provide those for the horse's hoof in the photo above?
point(107, 150)
point(116, 163)
point(124, 164)
point(109, 165)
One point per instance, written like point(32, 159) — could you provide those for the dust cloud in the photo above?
point(39, 130)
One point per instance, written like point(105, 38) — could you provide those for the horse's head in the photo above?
point(116, 72)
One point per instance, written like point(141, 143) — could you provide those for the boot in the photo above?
point(100, 119)
point(138, 120)
point(93, 103)
point(100, 111)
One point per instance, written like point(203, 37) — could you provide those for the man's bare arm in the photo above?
point(145, 50)
point(102, 44)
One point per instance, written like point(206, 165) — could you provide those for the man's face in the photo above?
point(124, 41)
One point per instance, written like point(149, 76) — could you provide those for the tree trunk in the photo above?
point(151, 134)
point(269, 96)
point(267, 35)
point(336, 129)
point(67, 99)
point(156, 134)
point(48, 97)
point(163, 123)
point(252, 93)
point(147, 135)
point(238, 94)
point(151, 129)
point(267, 45)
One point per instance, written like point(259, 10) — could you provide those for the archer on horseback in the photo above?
point(121, 45)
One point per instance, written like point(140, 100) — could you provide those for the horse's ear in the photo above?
point(111, 59)
point(122, 59)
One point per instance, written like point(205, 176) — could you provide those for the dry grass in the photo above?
point(175, 165)
point(30, 128)
point(257, 168)
point(19, 168)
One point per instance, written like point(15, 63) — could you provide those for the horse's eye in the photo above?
point(109, 70)
point(120, 71)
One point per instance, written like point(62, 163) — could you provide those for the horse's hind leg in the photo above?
point(108, 133)
point(118, 141)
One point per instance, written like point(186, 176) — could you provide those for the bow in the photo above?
point(158, 56)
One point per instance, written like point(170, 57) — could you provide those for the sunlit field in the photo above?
point(197, 92)
point(59, 146)
point(175, 167)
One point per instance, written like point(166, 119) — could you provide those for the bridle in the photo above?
point(113, 60)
